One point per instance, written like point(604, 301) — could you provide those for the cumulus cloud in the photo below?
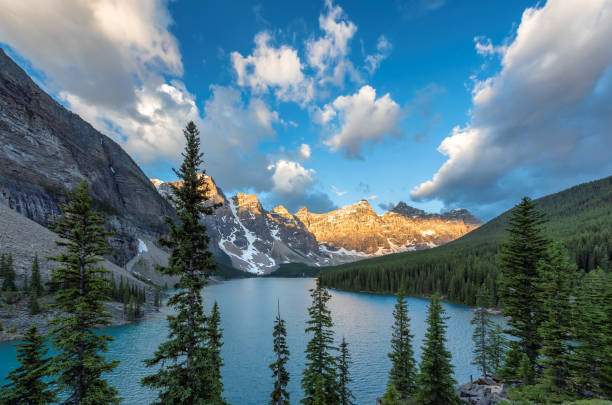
point(291, 177)
point(545, 114)
point(383, 48)
point(274, 68)
point(364, 118)
point(328, 54)
point(304, 151)
point(323, 115)
point(94, 50)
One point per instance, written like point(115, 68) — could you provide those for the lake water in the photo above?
point(248, 308)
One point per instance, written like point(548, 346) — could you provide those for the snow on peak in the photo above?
point(142, 247)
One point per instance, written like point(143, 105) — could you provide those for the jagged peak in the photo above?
point(302, 211)
point(156, 182)
point(404, 209)
point(280, 210)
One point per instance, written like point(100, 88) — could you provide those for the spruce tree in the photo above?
point(480, 337)
point(214, 343)
point(319, 377)
point(403, 366)
point(555, 296)
point(81, 289)
point(8, 283)
point(27, 383)
point(33, 305)
point(280, 395)
point(392, 396)
point(591, 327)
point(520, 255)
point(183, 359)
point(496, 348)
point(344, 374)
point(435, 382)
point(35, 283)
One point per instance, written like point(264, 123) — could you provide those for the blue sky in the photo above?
point(440, 103)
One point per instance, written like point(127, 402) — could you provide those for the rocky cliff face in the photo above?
point(258, 241)
point(47, 150)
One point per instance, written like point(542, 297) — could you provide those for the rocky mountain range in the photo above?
point(47, 150)
point(258, 241)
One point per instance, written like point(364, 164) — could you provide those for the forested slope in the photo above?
point(580, 217)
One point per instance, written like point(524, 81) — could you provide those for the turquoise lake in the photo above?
point(248, 308)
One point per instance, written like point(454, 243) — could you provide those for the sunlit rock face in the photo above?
point(258, 241)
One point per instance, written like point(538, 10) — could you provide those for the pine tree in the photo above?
point(392, 396)
point(157, 300)
point(8, 283)
point(496, 348)
point(525, 371)
point(591, 327)
point(33, 305)
point(520, 255)
point(555, 293)
point(280, 395)
point(319, 376)
point(35, 283)
point(344, 375)
point(403, 366)
point(435, 382)
point(214, 344)
point(482, 327)
point(81, 290)
point(27, 383)
point(183, 375)
point(605, 383)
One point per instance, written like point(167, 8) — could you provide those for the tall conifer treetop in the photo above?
point(520, 255)
point(435, 382)
point(187, 373)
point(280, 395)
point(81, 289)
point(319, 377)
point(403, 366)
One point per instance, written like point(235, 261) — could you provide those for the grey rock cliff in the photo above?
point(47, 150)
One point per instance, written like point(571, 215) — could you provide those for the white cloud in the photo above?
point(383, 47)
point(328, 55)
point(337, 191)
point(304, 151)
point(364, 118)
point(484, 46)
point(276, 68)
point(372, 197)
point(323, 116)
point(291, 177)
point(545, 114)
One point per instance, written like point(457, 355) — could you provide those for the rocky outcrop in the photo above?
point(47, 150)
point(484, 391)
point(258, 241)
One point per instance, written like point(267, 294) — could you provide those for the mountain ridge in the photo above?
point(259, 241)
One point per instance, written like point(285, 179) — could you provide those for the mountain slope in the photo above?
point(47, 150)
point(259, 241)
point(581, 217)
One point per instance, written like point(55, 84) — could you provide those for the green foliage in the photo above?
point(555, 290)
point(403, 366)
point(319, 377)
point(33, 305)
point(592, 330)
point(496, 348)
point(519, 283)
point(580, 218)
point(280, 395)
point(435, 382)
point(214, 344)
point(184, 360)
point(8, 273)
point(27, 385)
point(344, 375)
point(481, 336)
point(157, 299)
point(35, 283)
point(392, 396)
point(81, 288)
